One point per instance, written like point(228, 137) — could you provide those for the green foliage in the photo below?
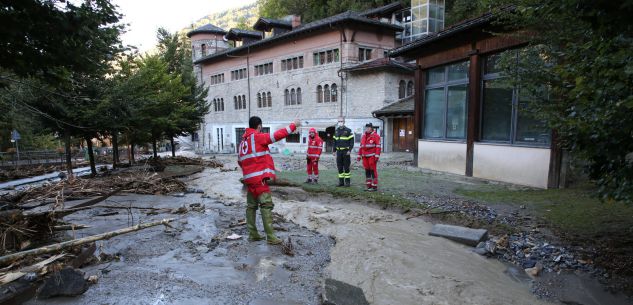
point(582, 54)
point(230, 18)
point(314, 9)
point(52, 39)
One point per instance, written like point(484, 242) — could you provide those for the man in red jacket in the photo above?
point(258, 168)
point(315, 147)
point(369, 152)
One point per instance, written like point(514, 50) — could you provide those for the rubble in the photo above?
point(339, 293)
point(463, 235)
point(66, 282)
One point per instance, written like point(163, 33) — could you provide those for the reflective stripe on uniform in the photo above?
point(288, 129)
point(342, 148)
point(368, 145)
point(255, 174)
point(369, 155)
point(253, 155)
point(345, 138)
point(313, 155)
point(319, 147)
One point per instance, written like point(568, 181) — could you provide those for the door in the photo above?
point(403, 135)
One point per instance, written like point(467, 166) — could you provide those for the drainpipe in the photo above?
point(248, 79)
point(341, 72)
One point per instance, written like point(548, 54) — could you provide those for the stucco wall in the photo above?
point(442, 156)
point(520, 165)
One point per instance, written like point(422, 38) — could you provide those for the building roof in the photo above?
point(207, 29)
point(265, 24)
point(236, 34)
point(447, 32)
point(382, 63)
point(399, 107)
point(347, 17)
point(383, 10)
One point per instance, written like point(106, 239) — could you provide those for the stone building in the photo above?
point(284, 70)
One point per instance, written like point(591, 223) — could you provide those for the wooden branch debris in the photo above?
point(70, 227)
point(12, 276)
point(75, 242)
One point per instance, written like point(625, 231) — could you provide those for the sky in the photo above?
point(146, 16)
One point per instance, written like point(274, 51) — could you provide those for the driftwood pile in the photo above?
point(158, 164)
point(25, 171)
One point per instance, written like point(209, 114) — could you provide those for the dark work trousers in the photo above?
point(343, 161)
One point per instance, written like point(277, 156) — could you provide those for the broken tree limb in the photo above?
point(101, 198)
point(12, 276)
point(70, 227)
point(75, 242)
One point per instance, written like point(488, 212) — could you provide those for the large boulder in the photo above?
point(339, 293)
point(66, 282)
point(467, 236)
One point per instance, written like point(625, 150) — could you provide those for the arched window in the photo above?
point(401, 89)
point(235, 102)
point(287, 97)
point(410, 88)
point(298, 96)
point(319, 94)
point(334, 93)
point(259, 100)
point(203, 49)
point(293, 97)
point(243, 101)
point(222, 103)
point(270, 100)
point(326, 93)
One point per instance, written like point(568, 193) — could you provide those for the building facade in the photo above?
point(468, 119)
point(291, 71)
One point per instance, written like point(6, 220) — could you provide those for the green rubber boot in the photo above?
point(251, 213)
point(267, 219)
point(251, 225)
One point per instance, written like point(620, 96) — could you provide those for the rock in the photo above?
point(339, 293)
point(480, 251)
point(503, 242)
point(194, 190)
point(93, 279)
point(178, 194)
point(467, 236)
point(491, 247)
point(534, 271)
point(291, 267)
point(530, 263)
point(67, 282)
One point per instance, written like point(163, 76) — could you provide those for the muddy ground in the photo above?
point(391, 258)
point(195, 263)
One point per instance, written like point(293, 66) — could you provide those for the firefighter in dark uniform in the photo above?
point(343, 145)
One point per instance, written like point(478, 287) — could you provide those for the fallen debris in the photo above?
point(233, 237)
point(75, 242)
point(339, 293)
point(288, 248)
point(467, 236)
point(66, 282)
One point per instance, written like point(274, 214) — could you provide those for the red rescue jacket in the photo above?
point(369, 145)
point(254, 156)
point(315, 147)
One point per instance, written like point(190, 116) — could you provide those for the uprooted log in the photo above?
point(75, 242)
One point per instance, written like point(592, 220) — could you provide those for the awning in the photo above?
point(404, 106)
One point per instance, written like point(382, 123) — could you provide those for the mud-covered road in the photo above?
point(194, 263)
point(391, 258)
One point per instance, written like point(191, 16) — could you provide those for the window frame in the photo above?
point(515, 103)
point(446, 84)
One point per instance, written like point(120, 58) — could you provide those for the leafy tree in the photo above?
point(580, 51)
point(51, 39)
point(312, 10)
point(190, 111)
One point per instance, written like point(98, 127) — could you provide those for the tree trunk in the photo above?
point(154, 147)
point(69, 156)
point(173, 148)
point(131, 153)
point(115, 149)
point(91, 157)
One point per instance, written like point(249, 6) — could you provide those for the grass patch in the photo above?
point(573, 210)
point(385, 197)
